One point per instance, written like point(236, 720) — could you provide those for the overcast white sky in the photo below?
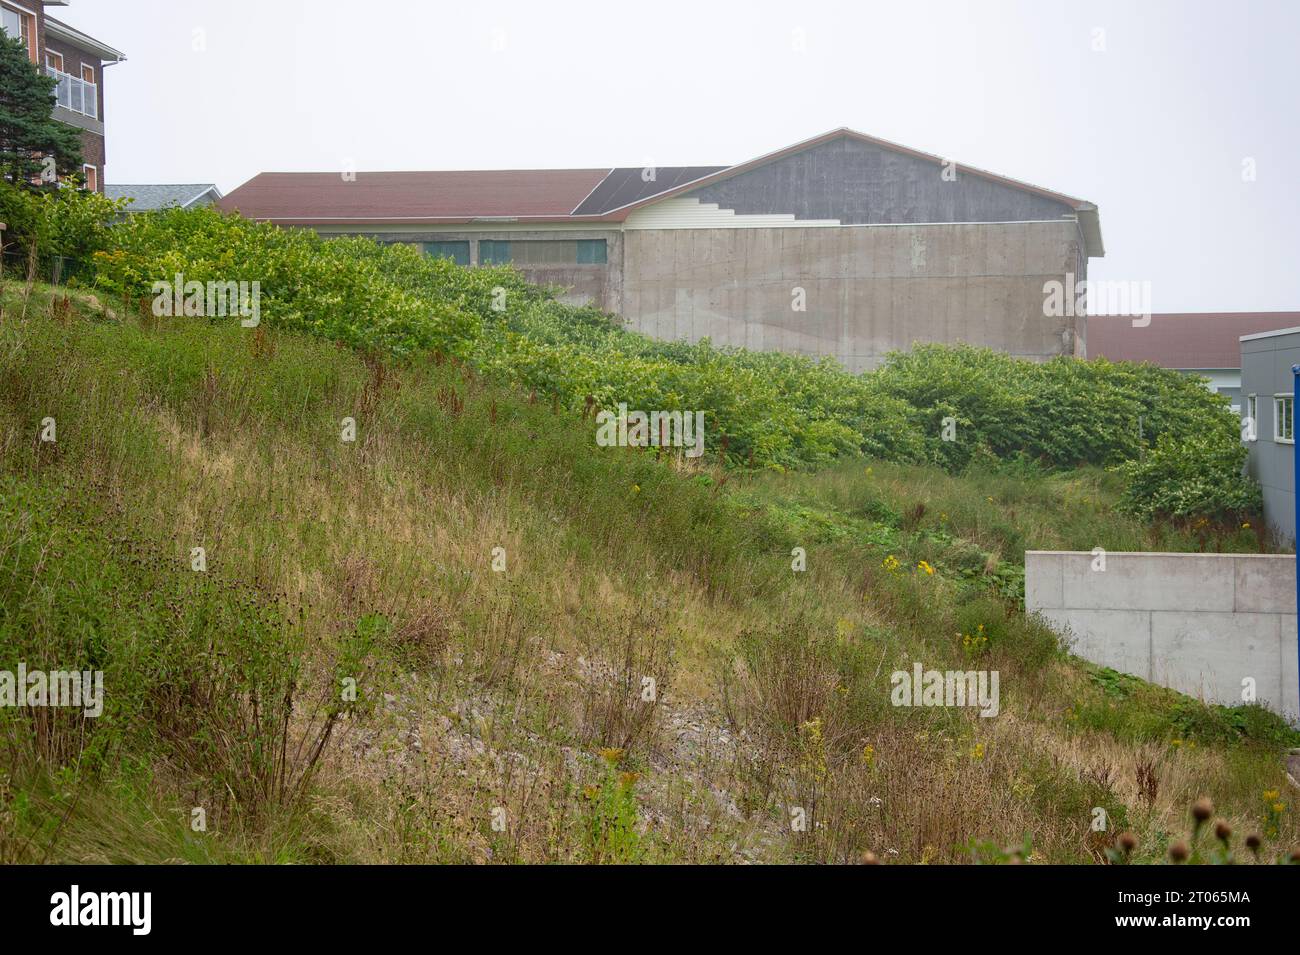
point(1154, 129)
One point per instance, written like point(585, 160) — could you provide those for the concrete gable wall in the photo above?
point(858, 182)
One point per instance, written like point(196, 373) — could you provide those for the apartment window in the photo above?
point(1284, 419)
point(54, 60)
point(88, 74)
point(543, 252)
point(21, 26)
point(92, 177)
point(1251, 430)
point(458, 252)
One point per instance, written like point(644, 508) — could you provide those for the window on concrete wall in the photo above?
point(1251, 431)
point(458, 252)
point(493, 252)
point(543, 251)
point(1284, 419)
point(591, 252)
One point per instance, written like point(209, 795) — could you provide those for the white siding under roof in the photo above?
point(688, 213)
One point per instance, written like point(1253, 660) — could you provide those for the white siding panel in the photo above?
point(688, 213)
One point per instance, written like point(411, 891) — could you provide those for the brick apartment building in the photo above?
point(77, 61)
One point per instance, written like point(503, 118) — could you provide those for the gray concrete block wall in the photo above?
point(869, 289)
point(1197, 623)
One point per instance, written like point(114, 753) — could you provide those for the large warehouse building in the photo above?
point(841, 245)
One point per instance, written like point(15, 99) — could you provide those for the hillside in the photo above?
point(498, 589)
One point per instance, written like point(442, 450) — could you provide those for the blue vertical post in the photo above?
point(1295, 474)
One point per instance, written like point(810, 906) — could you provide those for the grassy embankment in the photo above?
point(482, 690)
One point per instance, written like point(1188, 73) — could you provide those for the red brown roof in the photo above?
point(1187, 340)
point(457, 196)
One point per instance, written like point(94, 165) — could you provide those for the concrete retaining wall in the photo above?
point(1197, 623)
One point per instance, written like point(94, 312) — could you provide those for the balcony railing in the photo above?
point(75, 93)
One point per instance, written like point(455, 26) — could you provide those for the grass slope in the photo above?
point(499, 590)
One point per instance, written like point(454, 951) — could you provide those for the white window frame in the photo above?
point(1252, 414)
point(95, 169)
point(1278, 405)
point(32, 42)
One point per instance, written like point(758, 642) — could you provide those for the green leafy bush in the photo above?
point(1190, 477)
point(767, 409)
point(70, 223)
point(1062, 412)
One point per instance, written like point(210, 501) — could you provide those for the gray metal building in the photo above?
point(1268, 400)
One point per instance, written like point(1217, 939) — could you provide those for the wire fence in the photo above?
point(55, 269)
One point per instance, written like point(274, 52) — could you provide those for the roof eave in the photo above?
point(84, 41)
point(414, 220)
point(197, 196)
point(1090, 224)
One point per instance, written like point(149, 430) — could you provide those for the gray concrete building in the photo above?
point(842, 245)
point(1268, 414)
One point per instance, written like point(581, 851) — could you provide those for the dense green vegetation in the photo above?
point(772, 410)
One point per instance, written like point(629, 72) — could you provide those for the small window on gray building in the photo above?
point(591, 252)
point(1284, 418)
point(458, 252)
point(1251, 418)
point(538, 252)
point(493, 252)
